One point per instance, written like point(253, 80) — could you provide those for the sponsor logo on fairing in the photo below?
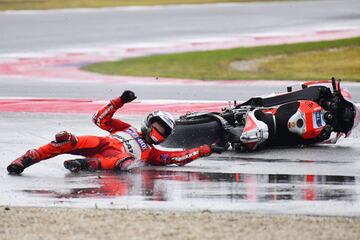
point(318, 119)
point(292, 125)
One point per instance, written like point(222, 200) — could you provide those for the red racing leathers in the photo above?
point(128, 142)
point(124, 146)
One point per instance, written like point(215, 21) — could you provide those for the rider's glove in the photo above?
point(127, 96)
point(206, 150)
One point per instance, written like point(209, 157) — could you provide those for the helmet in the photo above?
point(150, 133)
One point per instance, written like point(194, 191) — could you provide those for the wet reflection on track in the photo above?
point(183, 189)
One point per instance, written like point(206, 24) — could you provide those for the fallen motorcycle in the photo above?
point(314, 114)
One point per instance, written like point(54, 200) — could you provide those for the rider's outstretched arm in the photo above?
point(180, 158)
point(103, 118)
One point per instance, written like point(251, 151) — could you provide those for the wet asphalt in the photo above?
point(316, 180)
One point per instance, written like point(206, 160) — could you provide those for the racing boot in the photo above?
point(29, 158)
point(87, 164)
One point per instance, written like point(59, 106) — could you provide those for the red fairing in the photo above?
point(103, 117)
point(347, 96)
point(314, 121)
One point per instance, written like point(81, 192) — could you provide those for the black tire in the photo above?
point(190, 133)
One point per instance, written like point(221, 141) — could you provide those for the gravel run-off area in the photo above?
point(67, 223)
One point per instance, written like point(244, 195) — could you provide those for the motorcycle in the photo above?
point(313, 114)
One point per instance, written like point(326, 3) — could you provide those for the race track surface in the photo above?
point(43, 92)
point(29, 31)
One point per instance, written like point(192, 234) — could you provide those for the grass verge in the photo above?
point(54, 4)
point(302, 61)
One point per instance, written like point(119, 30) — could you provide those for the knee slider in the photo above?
point(124, 164)
point(63, 138)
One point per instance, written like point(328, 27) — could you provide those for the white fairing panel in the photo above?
point(255, 132)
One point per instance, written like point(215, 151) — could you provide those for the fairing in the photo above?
point(347, 97)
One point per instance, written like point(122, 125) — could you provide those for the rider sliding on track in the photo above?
point(124, 149)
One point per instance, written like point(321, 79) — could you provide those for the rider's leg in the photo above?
point(120, 161)
point(64, 143)
point(87, 164)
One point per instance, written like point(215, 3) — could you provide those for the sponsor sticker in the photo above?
point(137, 138)
point(318, 120)
point(125, 142)
point(164, 157)
point(292, 124)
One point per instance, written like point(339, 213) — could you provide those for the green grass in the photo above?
point(53, 4)
point(303, 61)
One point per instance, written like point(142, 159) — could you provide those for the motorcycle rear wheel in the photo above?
point(194, 132)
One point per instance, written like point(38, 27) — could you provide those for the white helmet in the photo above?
point(150, 133)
